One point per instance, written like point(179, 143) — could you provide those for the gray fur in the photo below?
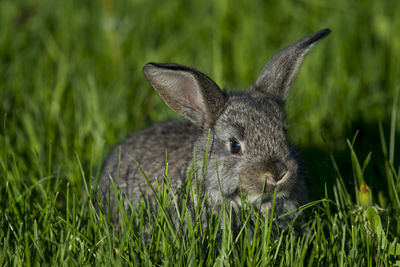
point(255, 118)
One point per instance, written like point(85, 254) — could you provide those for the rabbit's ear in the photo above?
point(278, 73)
point(186, 91)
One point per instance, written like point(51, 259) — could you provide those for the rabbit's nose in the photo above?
point(280, 170)
point(277, 171)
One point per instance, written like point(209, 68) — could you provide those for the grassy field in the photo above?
point(71, 86)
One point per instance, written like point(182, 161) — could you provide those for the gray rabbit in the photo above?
point(241, 135)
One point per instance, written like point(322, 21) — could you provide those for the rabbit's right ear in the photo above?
point(187, 91)
point(277, 75)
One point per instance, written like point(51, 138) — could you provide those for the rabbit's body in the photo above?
point(249, 154)
point(148, 148)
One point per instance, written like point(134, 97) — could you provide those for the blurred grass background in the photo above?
point(71, 71)
point(71, 82)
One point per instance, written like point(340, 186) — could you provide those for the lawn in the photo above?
point(71, 86)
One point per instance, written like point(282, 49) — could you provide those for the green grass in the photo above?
point(71, 86)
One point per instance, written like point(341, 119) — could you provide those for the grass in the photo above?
point(71, 87)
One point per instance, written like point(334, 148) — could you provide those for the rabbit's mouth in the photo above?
point(263, 178)
point(266, 196)
point(257, 200)
point(263, 185)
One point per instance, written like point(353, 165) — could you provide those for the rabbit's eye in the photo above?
point(235, 147)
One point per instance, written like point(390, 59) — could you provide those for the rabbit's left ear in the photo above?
point(278, 73)
point(187, 91)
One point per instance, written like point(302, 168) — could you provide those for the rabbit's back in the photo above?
point(171, 140)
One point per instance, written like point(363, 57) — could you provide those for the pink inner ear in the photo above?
point(181, 93)
point(191, 97)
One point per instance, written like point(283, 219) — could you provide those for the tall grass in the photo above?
point(338, 231)
point(71, 87)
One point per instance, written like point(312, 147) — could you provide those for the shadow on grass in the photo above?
point(321, 172)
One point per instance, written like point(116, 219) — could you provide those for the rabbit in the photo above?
point(242, 134)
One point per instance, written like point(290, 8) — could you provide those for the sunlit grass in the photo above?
point(71, 87)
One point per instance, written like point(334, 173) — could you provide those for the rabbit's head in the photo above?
point(249, 153)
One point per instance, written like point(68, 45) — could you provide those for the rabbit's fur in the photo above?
point(249, 153)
